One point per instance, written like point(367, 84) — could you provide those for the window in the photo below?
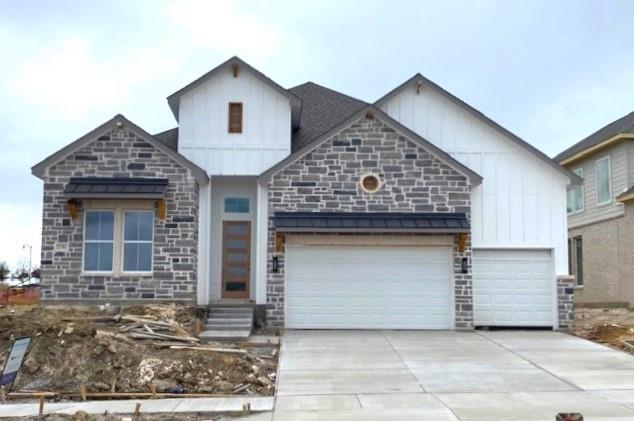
point(603, 180)
point(137, 241)
point(98, 241)
point(578, 245)
point(370, 183)
point(235, 117)
point(576, 195)
point(237, 205)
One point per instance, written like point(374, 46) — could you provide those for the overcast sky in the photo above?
point(550, 71)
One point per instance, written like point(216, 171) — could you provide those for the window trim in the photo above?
point(578, 171)
point(596, 180)
point(578, 239)
point(113, 242)
point(239, 129)
point(123, 243)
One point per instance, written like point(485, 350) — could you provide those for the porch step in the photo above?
point(225, 335)
point(228, 323)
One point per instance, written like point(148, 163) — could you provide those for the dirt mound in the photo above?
point(83, 346)
point(612, 327)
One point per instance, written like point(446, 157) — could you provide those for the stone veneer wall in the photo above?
point(327, 180)
point(565, 302)
point(120, 153)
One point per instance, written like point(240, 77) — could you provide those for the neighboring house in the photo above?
point(601, 214)
point(415, 212)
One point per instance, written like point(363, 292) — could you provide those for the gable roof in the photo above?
point(322, 109)
point(118, 120)
point(621, 128)
point(296, 104)
point(420, 79)
point(169, 138)
point(473, 177)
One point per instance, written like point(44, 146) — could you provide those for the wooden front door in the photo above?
point(236, 259)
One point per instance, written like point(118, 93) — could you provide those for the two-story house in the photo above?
point(322, 210)
point(601, 214)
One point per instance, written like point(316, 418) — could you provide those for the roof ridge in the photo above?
point(309, 82)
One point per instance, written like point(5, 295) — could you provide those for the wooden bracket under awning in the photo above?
point(72, 208)
point(161, 209)
point(279, 241)
point(462, 241)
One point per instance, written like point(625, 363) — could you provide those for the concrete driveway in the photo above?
point(523, 375)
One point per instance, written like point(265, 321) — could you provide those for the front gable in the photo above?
point(328, 178)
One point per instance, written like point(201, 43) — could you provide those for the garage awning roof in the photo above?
point(371, 222)
point(116, 188)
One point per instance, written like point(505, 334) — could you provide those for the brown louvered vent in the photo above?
point(235, 117)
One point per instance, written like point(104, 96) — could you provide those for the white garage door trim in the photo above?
point(291, 249)
point(554, 322)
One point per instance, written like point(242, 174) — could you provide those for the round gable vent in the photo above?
point(370, 183)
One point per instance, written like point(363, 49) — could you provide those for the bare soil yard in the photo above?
point(612, 327)
point(131, 349)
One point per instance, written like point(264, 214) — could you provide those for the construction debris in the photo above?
point(612, 327)
point(92, 352)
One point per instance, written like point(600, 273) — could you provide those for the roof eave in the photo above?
point(39, 169)
point(473, 177)
point(565, 159)
point(295, 102)
point(574, 179)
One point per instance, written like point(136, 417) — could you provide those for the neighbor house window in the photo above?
point(98, 241)
point(576, 195)
point(603, 180)
point(575, 256)
point(137, 241)
point(235, 117)
point(236, 205)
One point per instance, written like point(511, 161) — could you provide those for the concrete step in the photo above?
point(231, 311)
point(230, 320)
point(225, 335)
point(221, 326)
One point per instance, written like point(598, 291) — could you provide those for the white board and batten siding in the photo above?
point(203, 125)
point(521, 202)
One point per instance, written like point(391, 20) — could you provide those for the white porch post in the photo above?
point(204, 236)
point(261, 242)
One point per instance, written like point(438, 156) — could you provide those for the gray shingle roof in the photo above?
point(623, 125)
point(369, 221)
point(169, 138)
point(322, 109)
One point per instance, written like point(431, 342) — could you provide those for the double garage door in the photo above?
point(383, 287)
point(357, 287)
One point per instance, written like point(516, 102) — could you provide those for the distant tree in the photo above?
point(4, 271)
point(35, 273)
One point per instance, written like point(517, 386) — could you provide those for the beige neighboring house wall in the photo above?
point(606, 230)
point(608, 260)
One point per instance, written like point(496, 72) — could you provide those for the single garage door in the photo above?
point(513, 288)
point(366, 287)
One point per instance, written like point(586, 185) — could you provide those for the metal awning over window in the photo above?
point(371, 222)
point(115, 188)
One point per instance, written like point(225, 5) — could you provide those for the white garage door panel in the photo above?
point(348, 287)
point(513, 288)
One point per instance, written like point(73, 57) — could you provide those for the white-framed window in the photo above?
point(138, 229)
point(98, 240)
point(576, 195)
point(603, 180)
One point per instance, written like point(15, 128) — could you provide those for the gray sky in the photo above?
point(550, 71)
